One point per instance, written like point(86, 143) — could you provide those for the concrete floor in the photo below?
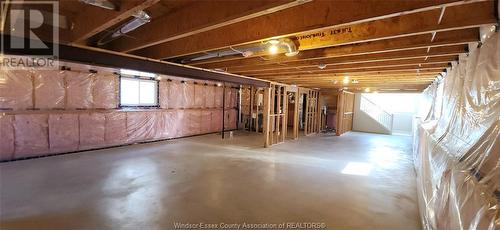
point(205, 179)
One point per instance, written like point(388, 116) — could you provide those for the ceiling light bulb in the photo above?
point(346, 80)
point(273, 49)
point(367, 90)
point(322, 66)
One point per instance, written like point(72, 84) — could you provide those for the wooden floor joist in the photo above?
point(454, 37)
point(386, 56)
point(457, 17)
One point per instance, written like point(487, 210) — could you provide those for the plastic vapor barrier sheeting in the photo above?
point(16, 89)
point(46, 112)
point(456, 145)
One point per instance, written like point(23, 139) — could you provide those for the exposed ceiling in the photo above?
point(377, 44)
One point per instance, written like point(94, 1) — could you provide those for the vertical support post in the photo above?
point(296, 115)
point(240, 116)
point(266, 121)
point(277, 129)
point(306, 114)
point(257, 93)
point(250, 124)
point(223, 108)
point(284, 126)
point(340, 113)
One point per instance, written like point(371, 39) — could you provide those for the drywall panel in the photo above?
point(362, 122)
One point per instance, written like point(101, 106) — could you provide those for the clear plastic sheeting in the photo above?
point(63, 133)
point(92, 130)
point(49, 90)
point(230, 119)
point(49, 112)
point(115, 132)
point(175, 95)
point(79, 90)
point(163, 94)
point(31, 135)
point(209, 96)
point(140, 126)
point(199, 96)
point(16, 89)
point(193, 122)
point(457, 153)
point(219, 93)
point(216, 120)
point(187, 95)
point(6, 137)
point(105, 91)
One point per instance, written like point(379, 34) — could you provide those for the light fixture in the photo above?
point(346, 80)
point(322, 66)
point(355, 81)
point(219, 84)
point(247, 53)
point(367, 90)
point(274, 42)
point(273, 49)
point(136, 73)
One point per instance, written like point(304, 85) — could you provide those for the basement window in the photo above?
point(138, 92)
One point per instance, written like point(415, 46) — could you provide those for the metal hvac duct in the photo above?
point(140, 19)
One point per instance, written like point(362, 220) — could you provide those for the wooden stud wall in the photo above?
point(345, 112)
point(275, 114)
point(312, 112)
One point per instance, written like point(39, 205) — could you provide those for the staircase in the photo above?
point(378, 114)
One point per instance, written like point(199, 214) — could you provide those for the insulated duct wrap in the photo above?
point(456, 145)
point(45, 112)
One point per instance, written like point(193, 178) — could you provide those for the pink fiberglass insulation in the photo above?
point(193, 122)
point(16, 89)
point(140, 126)
point(159, 125)
point(31, 135)
point(115, 132)
point(219, 93)
point(92, 130)
point(187, 95)
point(227, 99)
point(163, 94)
point(105, 91)
point(206, 121)
point(63, 133)
point(230, 119)
point(79, 90)
point(6, 137)
point(199, 96)
point(179, 123)
point(49, 89)
point(169, 119)
point(234, 98)
point(216, 122)
point(175, 95)
point(209, 96)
